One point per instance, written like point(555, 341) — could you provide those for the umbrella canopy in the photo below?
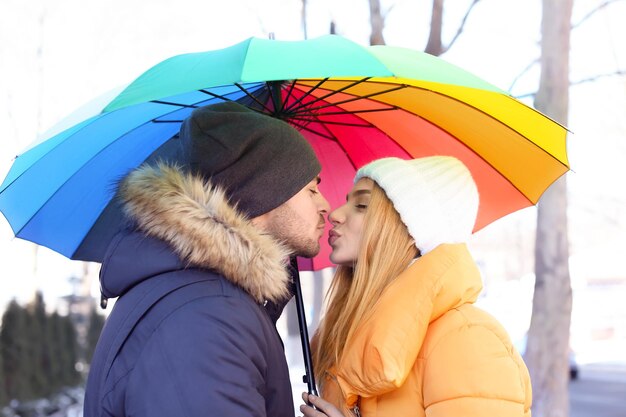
point(352, 103)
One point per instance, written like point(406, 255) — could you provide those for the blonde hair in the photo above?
point(385, 250)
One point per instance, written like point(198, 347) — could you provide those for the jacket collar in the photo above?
point(194, 218)
point(453, 276)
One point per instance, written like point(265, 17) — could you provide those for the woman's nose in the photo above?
point(335, 217)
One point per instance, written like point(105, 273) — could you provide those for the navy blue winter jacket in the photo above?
point(189, 335)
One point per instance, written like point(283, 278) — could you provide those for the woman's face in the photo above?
point(347, 221)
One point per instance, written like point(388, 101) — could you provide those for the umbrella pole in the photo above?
point(309, 377)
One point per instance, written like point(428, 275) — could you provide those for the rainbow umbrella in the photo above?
point(352, 103)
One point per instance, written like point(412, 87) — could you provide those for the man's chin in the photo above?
point(310, 251)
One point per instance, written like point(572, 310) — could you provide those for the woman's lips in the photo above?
point(332, 237)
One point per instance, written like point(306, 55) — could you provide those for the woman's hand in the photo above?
point(324, 408)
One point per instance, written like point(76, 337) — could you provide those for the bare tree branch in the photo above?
point(594, 11)
point(597, 77)
point(599, 214)
point(536, 60)
point(259, 19)
point(524, 71)
point(461, 26)
point(389, 9)
point(582, 81)
point(12, 122)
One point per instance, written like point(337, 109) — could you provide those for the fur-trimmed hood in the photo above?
point(194, 218)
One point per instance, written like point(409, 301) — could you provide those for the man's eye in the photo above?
point(313, 190)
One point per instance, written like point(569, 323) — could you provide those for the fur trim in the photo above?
point(196, 219)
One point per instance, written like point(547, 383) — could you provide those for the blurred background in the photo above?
point(56, 55)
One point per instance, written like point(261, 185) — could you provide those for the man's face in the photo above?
point(298, 222)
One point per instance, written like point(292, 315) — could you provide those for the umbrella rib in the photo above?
point(323, 125)
point(338, 142)
point(352, 84)
point(214, 95)
point(306, 94)
point(356, 98)
point(169, 103)
point(317, 118)
point(196, 105)
point(329, 122)
point(225, 98)
point(503, 124)
point(291, 87)
point(276, 111)
point(331, 113)
point(326, 128)
point(261, 93)
point(246, 92)
point(303, 126)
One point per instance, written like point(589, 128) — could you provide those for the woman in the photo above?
point(401, 336)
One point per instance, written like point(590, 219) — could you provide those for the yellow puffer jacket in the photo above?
point(428, 351)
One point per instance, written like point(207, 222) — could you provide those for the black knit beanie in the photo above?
point(260, 161)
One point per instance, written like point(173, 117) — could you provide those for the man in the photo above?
point(203, 273)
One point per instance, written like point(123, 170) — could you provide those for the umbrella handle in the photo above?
point(309, 377)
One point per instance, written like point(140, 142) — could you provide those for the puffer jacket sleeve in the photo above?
point(202, 362)
point(473, 370)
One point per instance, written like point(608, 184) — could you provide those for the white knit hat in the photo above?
point(436, 197)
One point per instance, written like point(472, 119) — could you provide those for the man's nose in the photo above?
point(324, 205)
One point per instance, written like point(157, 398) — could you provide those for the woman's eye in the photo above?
point(361, 206)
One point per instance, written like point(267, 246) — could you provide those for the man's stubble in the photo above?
point(290, 228)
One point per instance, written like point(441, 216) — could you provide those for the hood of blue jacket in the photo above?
point(133, 257)
point(183, 221)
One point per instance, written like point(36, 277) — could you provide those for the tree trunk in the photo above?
point(293, 326)
point(304, 27)
point(319, 286)
point(548, 336)
point(378, 23)
point(434, 46)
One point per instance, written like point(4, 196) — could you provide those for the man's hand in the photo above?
point(324, 408)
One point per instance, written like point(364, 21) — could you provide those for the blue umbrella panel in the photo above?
point(71, 178)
